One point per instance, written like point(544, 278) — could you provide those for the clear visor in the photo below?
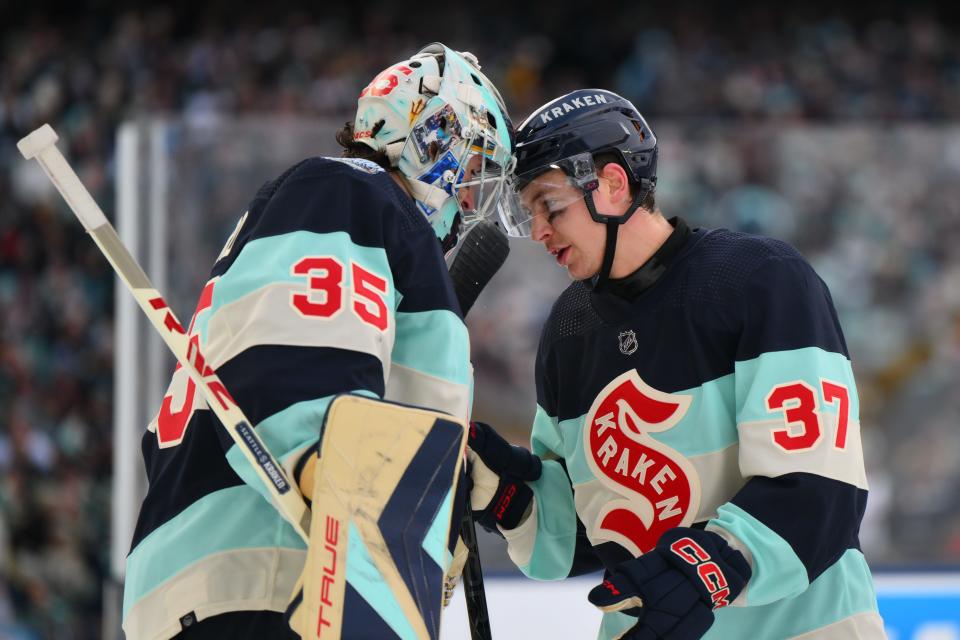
point(547, 195)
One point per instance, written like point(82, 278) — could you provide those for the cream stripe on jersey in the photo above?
point(718, 474)
point(761, 456)
point(267, 316)
point(410, 386)
point(235, 580)
point(863, 626)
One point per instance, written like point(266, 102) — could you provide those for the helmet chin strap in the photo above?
point(612, 223)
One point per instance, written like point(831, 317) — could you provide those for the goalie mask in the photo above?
point(444, 126)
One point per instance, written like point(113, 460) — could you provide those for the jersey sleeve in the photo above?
point(430, 362)
point(316, 297)
point(551, 543)
point(799, 435)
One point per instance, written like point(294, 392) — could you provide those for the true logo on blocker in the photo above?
point(659, 487)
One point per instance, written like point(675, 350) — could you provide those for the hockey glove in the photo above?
point(674, 588)
point(498, 473)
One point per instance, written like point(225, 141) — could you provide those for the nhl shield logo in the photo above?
point(628, 342)
point(651, 487)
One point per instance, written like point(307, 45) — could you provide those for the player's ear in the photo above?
point(616, 183)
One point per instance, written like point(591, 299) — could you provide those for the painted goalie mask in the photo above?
point(444, 126)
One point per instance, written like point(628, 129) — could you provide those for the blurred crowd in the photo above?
point(832, 133)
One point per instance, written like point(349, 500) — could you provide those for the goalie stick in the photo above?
point(41, 146)
point(483, 251)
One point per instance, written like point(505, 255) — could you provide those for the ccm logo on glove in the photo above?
point(613, 590)
point(710, 574)
point(508, 492)
point(498, 472)
point(674, 589)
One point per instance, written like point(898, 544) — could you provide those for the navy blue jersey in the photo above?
point(332, 282)
point(720, 397)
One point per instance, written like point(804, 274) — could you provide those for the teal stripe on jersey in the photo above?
point(547, 437)
point(556, 525)
point(363, 575)
point(435, 343)
point(842, 591)
point(710, 406)
point(285, 432)
point(226, 520)
point(614, 624)
point(435, 541)
point(572, 433)
point(777, 571)
point(267, 261)
point(757, 377)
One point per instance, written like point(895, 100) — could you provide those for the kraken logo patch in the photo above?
point(653, 486)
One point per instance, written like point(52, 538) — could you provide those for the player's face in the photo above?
point(467, 194)
point(562, 223)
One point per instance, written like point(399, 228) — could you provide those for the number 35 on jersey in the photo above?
point(327, 294)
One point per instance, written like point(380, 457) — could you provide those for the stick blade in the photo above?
point(37, 142)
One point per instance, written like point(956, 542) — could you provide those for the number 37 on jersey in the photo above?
point(801, 406)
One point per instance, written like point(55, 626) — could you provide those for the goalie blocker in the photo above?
point(383, 502)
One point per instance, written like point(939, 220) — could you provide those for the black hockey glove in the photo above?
point(674, 588)
point(498, 472)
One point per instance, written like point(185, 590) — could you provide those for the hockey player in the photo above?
point(333, 281)
point(697, 432)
